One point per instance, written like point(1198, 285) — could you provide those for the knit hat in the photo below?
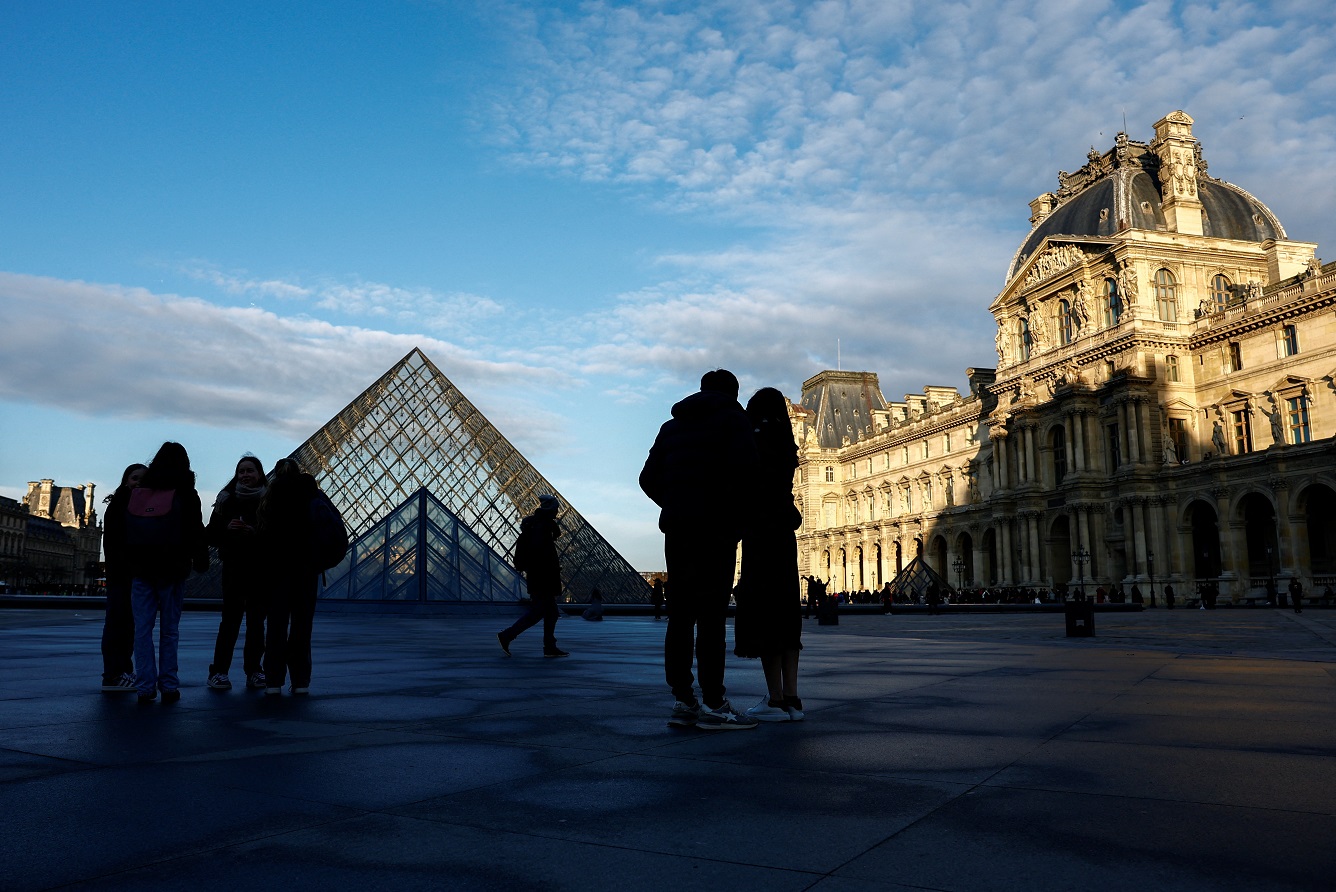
point(548, 503)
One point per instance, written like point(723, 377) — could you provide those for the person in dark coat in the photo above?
point(536, 557)
point(118, 625)
point(232, 531)
point(769, 619)
point(1296, 590)
point(283, 523)
point(159, 570)
point(657, 596)
point(698, 473)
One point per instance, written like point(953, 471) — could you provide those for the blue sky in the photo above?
point(220, 222)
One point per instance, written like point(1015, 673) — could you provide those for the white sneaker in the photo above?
point(795, 709)
point(765, 712)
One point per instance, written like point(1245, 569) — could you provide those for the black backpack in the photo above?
point(329, 535)
point(152, 520)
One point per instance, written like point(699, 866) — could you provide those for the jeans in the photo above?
point(147, 598)
point(291, 618)
point(541, 607)
point(118, 633)
point(242, 596)
point(700, 570)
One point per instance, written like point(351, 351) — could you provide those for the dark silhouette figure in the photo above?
point(292, 540)
point(164, 539)
point(1296, 590)
point(657, 595)
point(769, 619)
point(1169, 596)
point(698, 473)
point(536, 558)
point(118, 625)
point(232, 529)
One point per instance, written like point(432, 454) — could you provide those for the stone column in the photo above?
point(1004, 535)
point(1078, 427)
point(1289, 545)
point(1069, 429)
point(1133, 432)
point(980, 558)
point(1139, 542)
point(1036, 558)
point(1031, 467)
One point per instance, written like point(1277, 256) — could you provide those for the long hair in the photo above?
point(170, 469)
point(768, 411)
point(231, 486)
point(279, 506)
point(125, 478)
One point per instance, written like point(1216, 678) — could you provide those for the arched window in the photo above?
point(1023, 339)
point(1171, 368)
point(1166, 295)
point(1066, 326)
point(1221, 292)
point(1113, 303)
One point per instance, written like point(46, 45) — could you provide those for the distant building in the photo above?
point(1163, 403)
point(62, 539)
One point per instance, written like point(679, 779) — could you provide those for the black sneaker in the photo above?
point(725, 718)
point(170, 697)
point(555, 652)
point(505, 645)
point(123, 685)
point(148, 698)
point(684, 714)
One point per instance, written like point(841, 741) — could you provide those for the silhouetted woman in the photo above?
point(287, 536)
point(164, 537)
point(232, 530)
point(118, 626)
point(769, 616)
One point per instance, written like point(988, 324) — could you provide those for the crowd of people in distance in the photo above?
point(274, 537)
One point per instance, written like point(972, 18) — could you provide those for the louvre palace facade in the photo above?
point(1162, 405)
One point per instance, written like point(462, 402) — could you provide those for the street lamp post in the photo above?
point(1150, 568)
point(959, 566)
point(1082, 557)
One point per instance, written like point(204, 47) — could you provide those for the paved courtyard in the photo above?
point(1177, 750)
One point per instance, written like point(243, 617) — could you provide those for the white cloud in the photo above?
point(126, 352)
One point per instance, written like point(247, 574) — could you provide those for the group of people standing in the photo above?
point(720, 476)
point(274, 536)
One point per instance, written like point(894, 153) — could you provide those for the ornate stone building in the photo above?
point(1164, 403)
point(62, 540)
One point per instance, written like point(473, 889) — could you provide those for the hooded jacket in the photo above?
point(699, 470)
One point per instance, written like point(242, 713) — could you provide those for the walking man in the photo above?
point(697, 473)
point(536, 558)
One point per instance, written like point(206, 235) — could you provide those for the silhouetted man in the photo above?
point(536, 558)
point(697, 473)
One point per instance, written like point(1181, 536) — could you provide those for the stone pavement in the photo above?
point(1177, 750)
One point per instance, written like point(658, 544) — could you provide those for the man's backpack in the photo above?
point(329, 535)
point(152, 520)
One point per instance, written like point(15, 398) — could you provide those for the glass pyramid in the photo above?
point(421, 552)
point(413, 430)
point(915, 580)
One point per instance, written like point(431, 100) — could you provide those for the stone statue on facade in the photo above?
point(1277, 428)
point(1128, 287)
point(1081, 304)
point(1170, 452)
point(1001, 341)
point(1218, 439)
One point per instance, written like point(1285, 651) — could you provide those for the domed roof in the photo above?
point(1120, 190)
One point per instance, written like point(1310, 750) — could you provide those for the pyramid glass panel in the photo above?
point(412, 430)
point(433, 558)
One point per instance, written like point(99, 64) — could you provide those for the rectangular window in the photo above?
point(886, 461)
point(869, 465)
point(1171, 368)
point(1289, 344)
point(1178, 436)
point(1297, 409)
point(925, 448)
point(946, 442)
point(1233, 357)
point(830, 515)
point(1242, 432)
point(853, 470)
point(830, 474)
point(1115, 451)
point(904, 456)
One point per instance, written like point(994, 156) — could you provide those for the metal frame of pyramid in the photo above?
point(413, 429)
point(421, 552)
point(915, 579)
